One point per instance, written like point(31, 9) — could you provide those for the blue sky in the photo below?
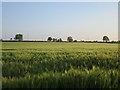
point(81, 20)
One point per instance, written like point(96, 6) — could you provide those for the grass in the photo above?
point(60, 65)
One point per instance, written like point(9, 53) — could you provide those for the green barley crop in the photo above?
point(60, 65)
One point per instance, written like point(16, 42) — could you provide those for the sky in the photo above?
point(40, 20)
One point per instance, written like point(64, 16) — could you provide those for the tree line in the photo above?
point(70, 39)
point(19, 37)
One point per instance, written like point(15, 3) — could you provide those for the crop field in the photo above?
point(60, 65)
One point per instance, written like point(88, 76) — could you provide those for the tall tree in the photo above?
point(70, 39)
point(105, 39)
point(49, 38)
point(18, 37)
point(54, 39)
point(59, 40)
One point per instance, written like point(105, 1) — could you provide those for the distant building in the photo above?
point(18, 37)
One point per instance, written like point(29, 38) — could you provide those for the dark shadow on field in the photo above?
point(8, 49)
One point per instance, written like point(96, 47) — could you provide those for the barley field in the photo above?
point(60, 65)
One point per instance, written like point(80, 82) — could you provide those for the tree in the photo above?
point(54, 39)
point(75, 40)
point(105, 39)
point(59, 40)
point(11, 39)
point(18, 37)
point(70, 39)
point(1, 39)
point(49, 38)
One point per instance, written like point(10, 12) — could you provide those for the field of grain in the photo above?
point(60, 65)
